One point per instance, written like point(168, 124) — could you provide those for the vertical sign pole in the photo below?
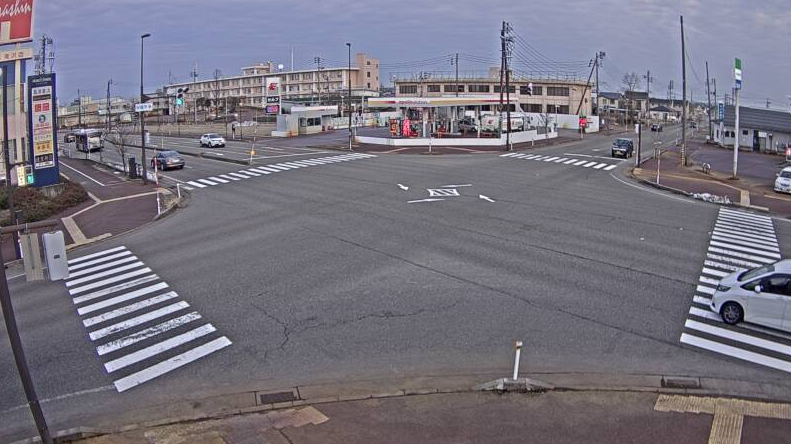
point(737, 73)
point(7, 160)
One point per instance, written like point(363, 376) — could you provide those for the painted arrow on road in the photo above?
point(481, 196)
point(403, 187)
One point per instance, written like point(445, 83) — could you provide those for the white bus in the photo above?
point(88, 140)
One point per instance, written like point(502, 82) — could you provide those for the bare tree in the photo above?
point(630, 81)
point(121, 137)
point(215, 87)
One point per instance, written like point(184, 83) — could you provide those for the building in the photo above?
point(759, 129)
point(17, 116)
point(662, 113)
point(322, 85)
point(548, 96)
point(93, 113)
point(609, 102)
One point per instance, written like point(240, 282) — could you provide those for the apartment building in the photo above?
point(562, 96)
point(326, 85)
point(93, 113)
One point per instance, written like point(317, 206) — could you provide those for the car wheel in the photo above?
point(732, 313)
point(181, 167)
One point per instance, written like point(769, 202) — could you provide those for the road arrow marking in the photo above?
point(481, 196)
point(403, 187)
point(425, 200)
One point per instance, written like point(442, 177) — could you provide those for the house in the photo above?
point(663, 114)
point(760, 129)
point(609, 101)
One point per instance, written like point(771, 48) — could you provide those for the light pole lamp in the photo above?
point(142, 113)
point(349, 45)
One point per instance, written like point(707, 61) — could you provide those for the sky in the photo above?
point(98, 40)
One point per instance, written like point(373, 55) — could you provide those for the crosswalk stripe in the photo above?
point(749, 229)
point(550, 159)
point(207, 182)
point(122, 298)
point(736, 352)
point(103, 266)
point(570, 161)
point(171, 364)
point(746, 243)
point(102, 283)
point(705, 289)
point(745, 216)
point(94, 255)
point(738, 337)
point(147, 333)
point(610, 167)
point(292, 165)
point(708, 281)
point(249, 173)
point(701, 300)
point(744, 249)
point(277, 168)
point(600, 166)
point(239, 175)
point(102, 274)
point(131, 308)
point(160, 347)
point(518, 156)
point(109, 290)
point(580, 162)
point(225, 176)
point(530, 156)
point(713, 272)
point(83, 265)
point(747, 222)
point(217, 179)
point(313, 162)
point(196, 184)
point(588, 165)
point(769, 239)
point(746, 226)
point(738, 254)
point(259, 171)
point(705, 314)
point(562, 159)
point(271, 170)
point(282, 166)
point(137, 320)
point(722, 266)
point(509, 155)
point(737, 260)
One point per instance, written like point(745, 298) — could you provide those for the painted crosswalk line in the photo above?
point(599, 166)
point(739, 241)
point(141, 328)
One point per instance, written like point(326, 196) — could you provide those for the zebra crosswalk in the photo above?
point(569, 161)
point(141, 328)
point(260, 171)
point(738, 241)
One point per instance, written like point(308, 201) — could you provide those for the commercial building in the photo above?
point(322, 85)
point(93, 113)
point(17, 117)
point(561, 96)
point(760, 129)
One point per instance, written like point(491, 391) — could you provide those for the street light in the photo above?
point(349, 45)
point(142, 113)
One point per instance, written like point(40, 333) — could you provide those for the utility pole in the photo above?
point(502, 73)
point(768, 102)
point(195, 101)
point(599, 56)
point(318, 76)
point(708, 100)
point(349, 75)
point(737, 75)
point(670, 93)
point(143, 114)
point(648, 80)
point(109, 114)
point(507, 42)
point(79, 109)
point(457, 75)
point(684, 98)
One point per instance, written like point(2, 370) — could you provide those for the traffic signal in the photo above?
point(180, 96)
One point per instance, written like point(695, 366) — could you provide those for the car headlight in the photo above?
point(723, 288)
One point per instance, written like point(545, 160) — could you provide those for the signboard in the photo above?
point(143, 107)
point(273, 85)
point(273, 109)
point(737, 73)
point(273, 99)
point(42, 115)
point(21, 176)
point(16, 21)
point(720, 110)
point(16, 54)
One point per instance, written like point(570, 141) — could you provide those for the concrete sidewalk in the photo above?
point(486, 417)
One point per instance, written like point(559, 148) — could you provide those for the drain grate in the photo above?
point(680, 382)
point(272, 398)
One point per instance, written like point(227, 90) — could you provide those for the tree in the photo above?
point(630, 81)
point(215, 89)
point(121, 137)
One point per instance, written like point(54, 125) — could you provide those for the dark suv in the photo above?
point(623, 148)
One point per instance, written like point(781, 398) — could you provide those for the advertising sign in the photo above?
point(42, 116)
point(16, 21)
point(272, 85)
point(273, 99)
point(273, 109)
point(737, 73)
point(720, 110)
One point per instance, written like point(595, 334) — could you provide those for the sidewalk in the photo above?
point(753, 189)
point(590, 417)
point(116, 205)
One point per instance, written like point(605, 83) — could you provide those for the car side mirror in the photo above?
point(758, 289)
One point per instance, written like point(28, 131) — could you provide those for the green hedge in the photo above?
point(35, 206)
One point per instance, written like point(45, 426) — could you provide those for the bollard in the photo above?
point(178, 190)
point(516, 359)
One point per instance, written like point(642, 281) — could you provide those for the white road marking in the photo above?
point(745, 249)
point(147, 333)
point(239, 175)
point(740, 255)
point(701, 300)
point(713, 272)
point(600, 166)
point(217, 179)
point(137, 320)
point(745, 216)
point(610, 167)
point(207, 182)
point(260, 171)
point(145, 353)
point(196, 184)
point(91, 256)
point(249, 173)
point(746, 222)
point(739, 337)
point(588, 165)
point(510, 155)
point(562, 159)
point(706, 290)
point(225, 176)
point(92, 277)
point(424, 200)
point(120, 277)
point(131, 308)
point(109, 290)
point(403, 187)
point(581, 162)
point(122, 298)
point(768, 239)
point(722, 266)
point(550, 159)
point(485, 198)
point(171, 364)
point(746, 243)
point(570, 161)
point(103, 266)
point(735, 352)
point(745, 229)
point(708, 281)
point(82, 174)
point(82, 265)
point(705, 314)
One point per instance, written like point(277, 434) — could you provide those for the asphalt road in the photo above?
point(329, 273)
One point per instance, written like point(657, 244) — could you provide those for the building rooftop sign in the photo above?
point(16, 21)
point(432, 102)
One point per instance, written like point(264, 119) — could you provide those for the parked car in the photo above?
point(783, 181)
point(759, 296)
point(212, 140)
point(656, 127)
point(468, 124)
point(168, 159)
point(623, 148)
point(69, 137)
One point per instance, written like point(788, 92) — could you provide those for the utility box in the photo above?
point(31, 257)
point(55, 252)
point(132, 164)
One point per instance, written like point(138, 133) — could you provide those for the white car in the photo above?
point(211, 140)
point(783, 181)
point(759, 296)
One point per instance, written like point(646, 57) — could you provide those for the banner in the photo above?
point(16, 21)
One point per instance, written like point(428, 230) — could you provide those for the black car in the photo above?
point(656, 127)
point(623, 148)
point(168, 159)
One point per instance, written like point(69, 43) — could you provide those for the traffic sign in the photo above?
point(143, 107)
point(720, 110)
point(737, 73)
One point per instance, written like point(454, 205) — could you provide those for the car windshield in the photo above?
point(785, 174)
point(170, 154)
point(622, 142)
point(755, 272)
point(213, 136)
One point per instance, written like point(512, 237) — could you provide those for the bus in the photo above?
point(88, 140)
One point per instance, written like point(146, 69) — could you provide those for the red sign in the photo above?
point(16, 21)
point(273, 109)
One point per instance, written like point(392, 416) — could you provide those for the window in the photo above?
point(557, 91)
point(777, 284)
point(368, 74)
point(433, 88)
point(745, 133)
point(293, 77)
point(307, 76)
point(369, 85)
point(407, 89)
point(538, 90)
point(477, 88)
point(368, 63)
point(511, 89)
point(534, 108)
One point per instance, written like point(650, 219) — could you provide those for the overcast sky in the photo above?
point(96, 40)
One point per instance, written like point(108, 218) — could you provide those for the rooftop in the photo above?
point(759, 118)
